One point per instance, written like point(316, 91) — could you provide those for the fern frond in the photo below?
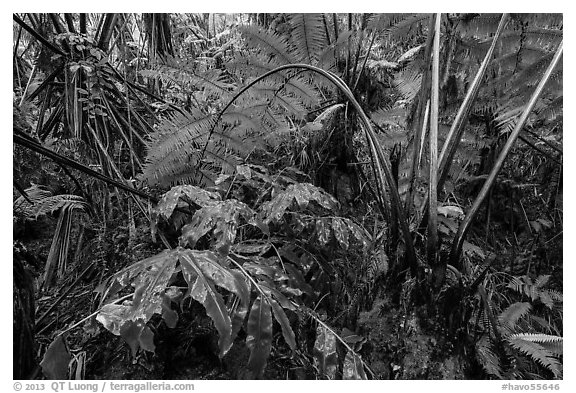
point(538, 353)
point(174, 150)
point(551, 343)
point(36, 193)
point(308, 36)
point(281, 99)
point(544, 20)
point(383, 22)
point(487, 358)
point(408, 27)
point(272, 44)
point(249, 66)
point(393, 117)
point(330, 55)
point(542, 280)
point(187, 78)
point(512, 314)
point(479, 25)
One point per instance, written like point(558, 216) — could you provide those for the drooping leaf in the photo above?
point(323, 231)
point(259, 340)
point(56, 359)
point(325, 355)
point(203, 291)
point(353, 367)
point(238, 312)
point(340, 232)
point(282, 319)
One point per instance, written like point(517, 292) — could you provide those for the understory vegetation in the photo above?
point(287, 196)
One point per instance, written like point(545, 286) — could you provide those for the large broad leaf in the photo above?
point(203, 291)
point(259, 339)
point(325, 355)
point(353, 367)
point(176, 197)
point(223, 219)
point(212, 267)
point(150, 277)
point(137, 334)
point(56, 359)
point(300, 193)
point(233, 281)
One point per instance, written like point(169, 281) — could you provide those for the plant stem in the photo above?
point(433, 179)
point(463, 229)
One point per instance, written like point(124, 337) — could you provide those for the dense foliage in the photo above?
point(341, 196)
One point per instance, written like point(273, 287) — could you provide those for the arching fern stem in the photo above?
point(382, 164)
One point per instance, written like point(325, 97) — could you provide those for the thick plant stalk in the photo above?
point(455, 134)
point(382, 165)
point(31, 144)
point(432, 190)
point(424, 131)
point(107, 30)
point(419, 124)
point(463, 229)
point(38, 36)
